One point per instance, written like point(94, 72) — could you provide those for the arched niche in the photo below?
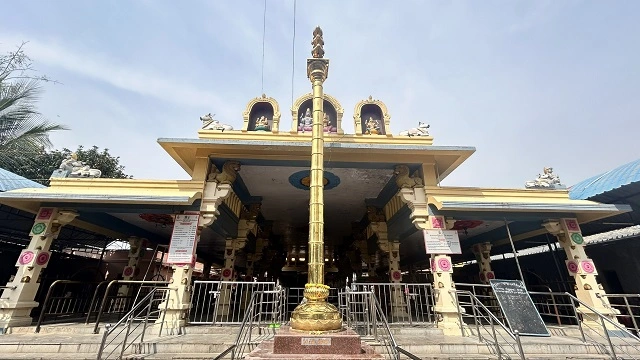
point(372, 114)
point(259, 110)
point(331, 108)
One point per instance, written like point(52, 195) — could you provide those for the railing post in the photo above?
point(495, 337)
point(630, 311)
point(606, 333)
point(475, 310)
point(104, 341)
point(146, 318)
point(521, 352)
point(575, 312)
point(44, 305)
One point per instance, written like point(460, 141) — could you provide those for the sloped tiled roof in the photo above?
point(621, 176)
point(10, 181)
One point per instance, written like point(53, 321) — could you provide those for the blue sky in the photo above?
point(528, 83)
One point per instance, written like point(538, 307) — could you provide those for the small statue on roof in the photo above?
point(318, 44)
point(209, 123)
point(71, 167)
point(547, 180)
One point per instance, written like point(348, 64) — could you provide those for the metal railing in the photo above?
point(124, 334)
point(66, 300)
point(403, 303)
point(601, 327)
point(628, 306)
point(365, 315)
point(264, 315)
point(117, 302)
point(223, 302)
point(485, 322)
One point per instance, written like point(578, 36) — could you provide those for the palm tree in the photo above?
point(23, 130)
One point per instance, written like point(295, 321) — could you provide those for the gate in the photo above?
point(223, 302)
point(402, 303)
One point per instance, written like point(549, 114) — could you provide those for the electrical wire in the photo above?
point(264, 31)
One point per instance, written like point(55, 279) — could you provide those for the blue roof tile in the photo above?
point(613, 179)
point(10, 181)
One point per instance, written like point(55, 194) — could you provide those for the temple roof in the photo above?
point(10, 181)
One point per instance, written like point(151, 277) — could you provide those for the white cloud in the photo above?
point(130, 77)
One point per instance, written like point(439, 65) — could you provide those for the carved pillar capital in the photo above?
point(553, 227)
point(212, 197)
point(416, 200)
point(380, 230)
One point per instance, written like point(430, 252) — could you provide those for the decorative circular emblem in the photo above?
point(396, 275)
point(491, 275)
point(572, 266)
point(302, 179)
point(588, 267)
point(444, 264)
point(572, 225)
point(577, 238)
point(43, 258)
point(482, 277)
point(128, 271)
point(26, 257)
point(226, 273)
point(38, 228)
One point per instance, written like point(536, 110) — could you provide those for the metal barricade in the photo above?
point(119, 298)
point(223, 302)
point(66, 300)
point(403, 303)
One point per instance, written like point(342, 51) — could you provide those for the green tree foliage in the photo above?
point(23, 130)
point(39, 167)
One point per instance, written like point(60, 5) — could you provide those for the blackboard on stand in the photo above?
point(518, 308)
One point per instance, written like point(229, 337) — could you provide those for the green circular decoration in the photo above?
point(38, 228)
point(577, 238)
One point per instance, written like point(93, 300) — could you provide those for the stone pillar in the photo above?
point(378, 227)
point(483, 257)
point(206, 270)
point(131, 270)
point(412, 193)
point(580, 267)
point(18, 299)
point(215, 190)
point(443, 286)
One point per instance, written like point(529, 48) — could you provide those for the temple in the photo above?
point(247, 201)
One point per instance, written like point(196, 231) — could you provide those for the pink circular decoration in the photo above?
point(588, 267)
point(482, 277)
point(128, 271)
point(572, 266)
point(396, 275)
point(226, 273)
point(491, 275)
point(444, 264)
point(42, 258)
point(26, 257)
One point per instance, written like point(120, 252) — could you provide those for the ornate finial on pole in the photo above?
point(316, 314)
point(318, 44)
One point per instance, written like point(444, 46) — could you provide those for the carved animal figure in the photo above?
point(227, 176)
point(209, 123)
point(421, 130)
point(403, 180)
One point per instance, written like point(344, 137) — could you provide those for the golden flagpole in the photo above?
point(316, 314)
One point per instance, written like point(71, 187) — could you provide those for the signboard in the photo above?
point(518, 308)
point(183, 239)
point(438, 241)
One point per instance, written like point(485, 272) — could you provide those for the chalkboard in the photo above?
point(518, 308)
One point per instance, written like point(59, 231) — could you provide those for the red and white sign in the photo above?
point(45, 214)
point(438, 241)
point(396, 275)
point(183, 240)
